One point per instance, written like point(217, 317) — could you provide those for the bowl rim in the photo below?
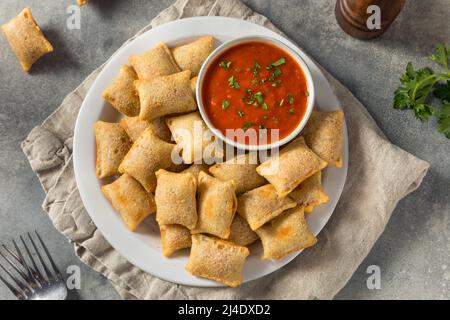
point(288, 49)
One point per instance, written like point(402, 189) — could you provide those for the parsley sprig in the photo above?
point(418, 86)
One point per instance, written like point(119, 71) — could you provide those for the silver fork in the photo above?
point(31, 283)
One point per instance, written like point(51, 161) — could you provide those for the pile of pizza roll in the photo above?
point(217, 210)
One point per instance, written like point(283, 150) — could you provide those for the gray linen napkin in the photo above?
point(380, 174)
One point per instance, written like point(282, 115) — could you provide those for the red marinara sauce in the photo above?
point(255, 85)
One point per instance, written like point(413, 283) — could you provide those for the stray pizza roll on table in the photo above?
point(26, 39)
point(82, 2)
point(216, 259)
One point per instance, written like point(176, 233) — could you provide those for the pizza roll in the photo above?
point(194, 138)
point(131, 200)
point(134, 127)
point(241, 233)
point(294, 164)
point(286, 234)
point(26, 39)
point(122, 94)
point(112, 146)
point(194, 85)
point(216, 206)
point(310, 193)
point(154, 63)
point(173, 238)
point(82, 2)
point(195, 169)
point(192, 55)
point(262, 204)
point(324, 135)
point(241, 169)
point(175, 198)
point(216, 259)
point(147, 155)
point(165, 95)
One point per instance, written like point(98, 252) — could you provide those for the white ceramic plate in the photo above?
point(143, 248)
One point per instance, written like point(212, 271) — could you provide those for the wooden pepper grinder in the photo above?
point(353, 16)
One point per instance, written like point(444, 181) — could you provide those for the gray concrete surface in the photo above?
point(414, 251)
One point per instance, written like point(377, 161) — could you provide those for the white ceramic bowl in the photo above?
point(293, 52)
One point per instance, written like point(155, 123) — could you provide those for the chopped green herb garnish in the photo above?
point(248, 91)
point(225, 104)
point(275, 74)
point(277, 63)
point(225, 64)
point(247, 125)
point(232, 82)
point(240, 113)
point(249, 100)
point(265, 106)
point(291, 98)
point(263, 80)
point(256, 67)
point(291, 111)
point(259, 97)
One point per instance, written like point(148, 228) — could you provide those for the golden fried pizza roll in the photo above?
point(216, 206)
point(175, 198)
point(173, 238)
point(154, 63)
point(82, 2)
point(286, 234)
point(294, 164)
point(241, 169)
point(241, 233)
point(310, 193)
point(193, 138)
point(192, 55)
point(26, 39)
point(112, 146)
point(262, 204)
point(165, 95)
point(194, 85)
point(131, 200)
point(134, 127)
point(216, 259)
point(324, 135)
point(195, 169)
point(122, 94)
point(147, 155)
